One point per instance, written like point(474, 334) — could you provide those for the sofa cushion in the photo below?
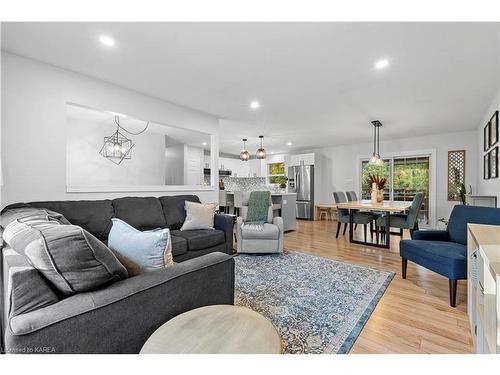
point(11, 214)
point(28, 291)
point(463, 215)
point(93, 216)
point(143, 213)
point(201, 238)
point(140, 251)
point(179, 245)
point(173, 209)
point(446, 258)
point(270, 232)
point(199, 216)
point(69, 257)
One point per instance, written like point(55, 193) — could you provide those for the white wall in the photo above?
point(34, 97)
point(86, 167)
point(491, 186)
point(340, 170)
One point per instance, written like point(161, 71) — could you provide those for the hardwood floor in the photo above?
point(414, 315)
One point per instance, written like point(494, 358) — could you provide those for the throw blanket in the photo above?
point(258, 209)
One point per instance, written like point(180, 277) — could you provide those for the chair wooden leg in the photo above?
point(338, 229)
point(404, 267)
point(401, 232)
point(371, 230)
point(376, 232)
point(355, 226)
point(365, 228)
point(345, 228)
point(453, 292)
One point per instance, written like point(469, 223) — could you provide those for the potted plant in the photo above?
point(379, 183)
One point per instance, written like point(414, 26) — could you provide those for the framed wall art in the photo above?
point(494, 129)
point(493, 159)
point(486, 167)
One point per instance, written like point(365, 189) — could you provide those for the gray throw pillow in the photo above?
point(12, 214)
point(69, 257)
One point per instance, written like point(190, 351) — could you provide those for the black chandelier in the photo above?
point(117, 147)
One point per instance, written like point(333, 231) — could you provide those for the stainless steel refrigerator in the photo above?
point(301, 181)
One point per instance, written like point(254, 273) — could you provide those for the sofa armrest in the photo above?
point(225, 223)
point(431, 235)
point(278, 221)
point(77, 306)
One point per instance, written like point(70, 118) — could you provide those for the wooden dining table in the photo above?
point(385, 208)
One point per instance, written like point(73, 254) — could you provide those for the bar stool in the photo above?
point(226, 201)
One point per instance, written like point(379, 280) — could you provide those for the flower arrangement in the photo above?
point(375, 179)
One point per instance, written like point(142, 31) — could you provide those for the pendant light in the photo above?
point(376, 159)
point(261, 153)
point(244, 154)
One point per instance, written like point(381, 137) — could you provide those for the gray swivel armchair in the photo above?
point(269, 240)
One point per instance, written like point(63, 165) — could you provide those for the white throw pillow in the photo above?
point(199, 216)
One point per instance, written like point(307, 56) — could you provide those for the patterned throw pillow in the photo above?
point(69, 257)
point(199, 216)
point(140, 251)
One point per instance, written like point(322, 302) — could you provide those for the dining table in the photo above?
point(385, 208)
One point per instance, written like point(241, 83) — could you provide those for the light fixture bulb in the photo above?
point(244, 154)
point(117, 147)
point(254, 105)
point(261, 152)
point(289, 144)
point(373, 160)
point(107, 41)
point(382, 64)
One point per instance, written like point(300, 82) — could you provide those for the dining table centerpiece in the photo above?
point(378, 184)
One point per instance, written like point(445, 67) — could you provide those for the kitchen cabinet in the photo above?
point(257, 167)
point(306, 159)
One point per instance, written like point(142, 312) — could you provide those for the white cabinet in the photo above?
point(258, 168)
point(306, 159)
point(236, 166)
point(483, 287)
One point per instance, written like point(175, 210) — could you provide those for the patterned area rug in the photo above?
point(318, 305)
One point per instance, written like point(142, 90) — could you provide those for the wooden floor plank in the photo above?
point(414, 315)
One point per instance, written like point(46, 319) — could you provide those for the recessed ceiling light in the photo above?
point(107, 41)
point(272, 152)
point(255, 104)
point(382, 64)
point(204, 143)
point(289, 143)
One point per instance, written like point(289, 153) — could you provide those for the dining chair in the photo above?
point(404, 221)
point(226, 201)
point(351, 196)
point(364, 218)
point(239, 198)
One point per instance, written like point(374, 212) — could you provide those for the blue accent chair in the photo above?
point(445, 251)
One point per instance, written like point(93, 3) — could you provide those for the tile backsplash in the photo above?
point(245, 183)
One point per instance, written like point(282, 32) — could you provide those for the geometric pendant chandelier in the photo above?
point(117, 147)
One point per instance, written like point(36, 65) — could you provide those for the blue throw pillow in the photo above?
point(140, 251)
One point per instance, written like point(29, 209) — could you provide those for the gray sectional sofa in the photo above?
point(120, 317)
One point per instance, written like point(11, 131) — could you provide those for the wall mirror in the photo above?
point(109, 152)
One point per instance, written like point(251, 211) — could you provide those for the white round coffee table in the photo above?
point(218, 329)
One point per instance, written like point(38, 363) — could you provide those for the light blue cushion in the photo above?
point(140, 251)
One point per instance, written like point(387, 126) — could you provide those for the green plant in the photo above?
point(462, 193)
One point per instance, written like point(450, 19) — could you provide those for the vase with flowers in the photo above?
point(378, 184)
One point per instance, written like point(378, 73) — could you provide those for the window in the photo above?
point(276, 173)
point(405, 177)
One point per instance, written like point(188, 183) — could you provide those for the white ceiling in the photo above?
point(316, 82)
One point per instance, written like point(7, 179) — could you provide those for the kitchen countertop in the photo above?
point(272, 194)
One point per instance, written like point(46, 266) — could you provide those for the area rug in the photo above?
point(318, 305)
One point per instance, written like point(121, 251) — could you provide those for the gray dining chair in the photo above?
point(404, 221)
point(364, 218)
point(351, 196)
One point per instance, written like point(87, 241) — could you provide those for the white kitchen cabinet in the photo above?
point(258, 167)
point(306, 159)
